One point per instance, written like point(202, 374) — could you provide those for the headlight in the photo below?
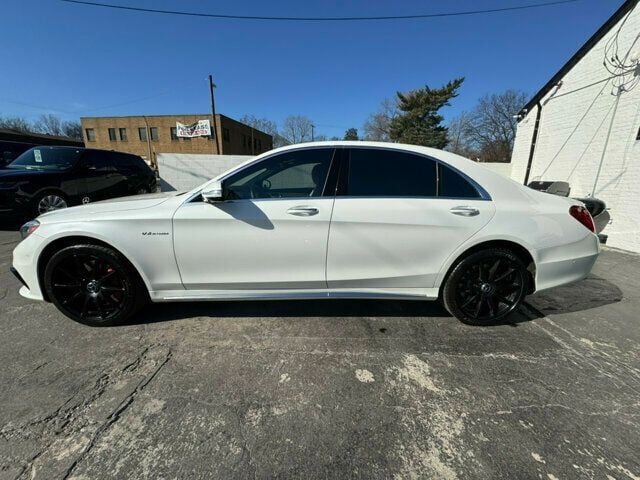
point(28, 228)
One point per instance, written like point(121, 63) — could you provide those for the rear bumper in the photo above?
point(567, 263)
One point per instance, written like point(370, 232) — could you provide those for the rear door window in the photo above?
point(390, 173)
point(454, 185)
point(99, 161)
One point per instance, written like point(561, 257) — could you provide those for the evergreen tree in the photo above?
point(351, 134)
point(419, 122)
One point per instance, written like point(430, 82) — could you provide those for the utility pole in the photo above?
point(214, 130)
point(313, 137)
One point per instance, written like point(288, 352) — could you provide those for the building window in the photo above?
point(112, 134)
point(123, 134)
point(142, 133)
point(225, 134)
point(174, 133)
point(154, 134)
point(91, 134)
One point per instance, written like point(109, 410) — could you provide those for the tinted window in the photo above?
point(388, 173)
point(454, 185)
point(300, 173)
point(98, 161)
point(46, 158)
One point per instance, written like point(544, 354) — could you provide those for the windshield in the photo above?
point(46, 158)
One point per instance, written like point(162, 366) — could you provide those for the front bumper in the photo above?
point(25, 266)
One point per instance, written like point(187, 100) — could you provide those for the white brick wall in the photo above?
point(181, 171)
point(575, 121)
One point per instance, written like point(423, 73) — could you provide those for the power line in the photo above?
point(322, 19)
point(84, 110)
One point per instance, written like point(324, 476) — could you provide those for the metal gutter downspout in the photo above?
point(534, 140)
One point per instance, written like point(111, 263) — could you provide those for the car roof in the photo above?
point(67, 147)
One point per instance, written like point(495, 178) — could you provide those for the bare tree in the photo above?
point(18, 124)
point(493, 125)
point(72, 129)
point(459, 136)
point(378, 126)
point(49, 124)
point(267, 126)
point(297, 129)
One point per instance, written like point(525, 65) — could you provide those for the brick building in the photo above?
point(583, 126)
point(152, 134)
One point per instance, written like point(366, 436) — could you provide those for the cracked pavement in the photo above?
point(326, 389)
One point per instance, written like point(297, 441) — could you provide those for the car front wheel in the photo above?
point(485, 287)
point(94, 285)
point(48, 202)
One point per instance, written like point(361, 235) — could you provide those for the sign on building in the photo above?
point(201, 128)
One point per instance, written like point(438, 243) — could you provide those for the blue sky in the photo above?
point(76, 60)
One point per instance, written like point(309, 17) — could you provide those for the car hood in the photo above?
point(93, 210)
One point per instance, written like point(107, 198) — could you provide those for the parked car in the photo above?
point(597, 208)
point(48, 178)
point(319, 220)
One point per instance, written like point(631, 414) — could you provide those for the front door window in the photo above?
point(294, 174)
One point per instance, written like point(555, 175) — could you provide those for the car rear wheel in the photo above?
point(50, 201)
point(485, 287)
point(94, 285)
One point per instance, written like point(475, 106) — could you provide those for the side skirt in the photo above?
point(350, 293)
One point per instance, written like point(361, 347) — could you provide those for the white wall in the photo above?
point(181, 171)
point(575, 122)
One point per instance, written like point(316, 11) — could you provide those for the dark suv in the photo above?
point(48, 178)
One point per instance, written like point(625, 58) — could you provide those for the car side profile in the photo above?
point(318, 220)
point(48, 178)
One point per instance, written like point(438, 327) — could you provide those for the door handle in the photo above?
point(303, 211)
point(465, 211)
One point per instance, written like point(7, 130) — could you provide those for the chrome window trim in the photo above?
point(484, 195)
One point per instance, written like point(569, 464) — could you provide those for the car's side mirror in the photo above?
point(213, 193)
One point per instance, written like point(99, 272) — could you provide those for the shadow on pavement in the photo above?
point(165, 312)
point(11, 224)
point(592, 292)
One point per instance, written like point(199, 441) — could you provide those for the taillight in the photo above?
point(581, 214)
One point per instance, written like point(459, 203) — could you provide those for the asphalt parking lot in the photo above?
point(334, 389)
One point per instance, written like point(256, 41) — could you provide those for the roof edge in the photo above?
point(626, 7)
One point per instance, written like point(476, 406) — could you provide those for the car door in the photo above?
point(102, 179)
point(269, 233)
point(391, 227)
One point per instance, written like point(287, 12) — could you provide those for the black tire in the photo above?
point(94, 285)
point(58, 200)
point(485, 287)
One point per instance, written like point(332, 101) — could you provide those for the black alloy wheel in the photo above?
point(485, 287)
point(93, 285)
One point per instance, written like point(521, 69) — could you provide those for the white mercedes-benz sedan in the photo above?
point(318, 220)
